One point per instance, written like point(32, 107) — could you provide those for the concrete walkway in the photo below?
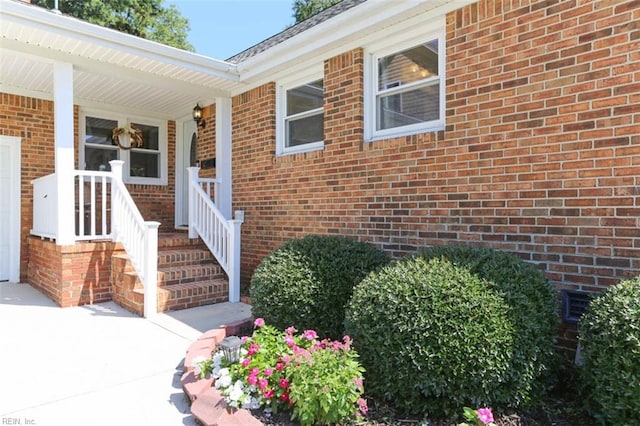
point(96, 365)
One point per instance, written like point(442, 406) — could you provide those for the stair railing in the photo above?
point(219, 234)
point(138, 237)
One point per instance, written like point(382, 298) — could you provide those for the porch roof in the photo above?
point(111, 69)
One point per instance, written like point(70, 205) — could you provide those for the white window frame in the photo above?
point(281, 113)
point(395, 44)
point(123, 154)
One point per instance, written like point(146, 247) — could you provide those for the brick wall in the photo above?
point(72, 275)
point(31, 120)
point(540, 156)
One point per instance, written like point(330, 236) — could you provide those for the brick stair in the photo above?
point(188, 276)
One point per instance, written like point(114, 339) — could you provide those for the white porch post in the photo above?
point(222, 198)
point(116, 173)
point(234, 257)
point(193, 177)
point(64, 166)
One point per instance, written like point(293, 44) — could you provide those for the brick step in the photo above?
point(189, 273)
point(176, 240)
point(188, 295)
point(184, 256)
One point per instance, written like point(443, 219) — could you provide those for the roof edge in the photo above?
point(29, 14)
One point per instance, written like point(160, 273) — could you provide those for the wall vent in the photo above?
point(574, 303)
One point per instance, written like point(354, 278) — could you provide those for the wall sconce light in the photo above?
point(197, 116)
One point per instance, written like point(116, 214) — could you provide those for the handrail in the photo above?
point(220, 235)
point(138, 237)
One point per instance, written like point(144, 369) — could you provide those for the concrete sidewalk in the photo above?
point(96, 365)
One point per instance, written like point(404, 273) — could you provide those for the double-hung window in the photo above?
point(406, 88)
point(145, 163)
point(300, 125)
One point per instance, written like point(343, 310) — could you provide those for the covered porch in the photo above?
point(74, 214)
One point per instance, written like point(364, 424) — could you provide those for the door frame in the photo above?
point(181, 172)
point(14, 144)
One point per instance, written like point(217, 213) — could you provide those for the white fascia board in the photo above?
point(340, 34)
point(36, 17)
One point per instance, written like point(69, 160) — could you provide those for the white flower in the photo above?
point(224, 381)
point(235, 394)
point(197, 360)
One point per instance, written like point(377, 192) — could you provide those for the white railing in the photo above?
point(92, 205)
point(93, 220)
point(45, 207)
point(138, 237)
point(220, 235)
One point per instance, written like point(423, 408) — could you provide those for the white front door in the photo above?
point(9, 208)
point(187, 156)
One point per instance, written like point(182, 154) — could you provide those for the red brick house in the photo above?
point(508, 124)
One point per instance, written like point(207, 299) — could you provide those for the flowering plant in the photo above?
point(479, 417)
point(274, 369)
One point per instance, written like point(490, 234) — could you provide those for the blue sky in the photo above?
point(222, 28)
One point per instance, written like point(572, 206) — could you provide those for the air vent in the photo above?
point(574, 303)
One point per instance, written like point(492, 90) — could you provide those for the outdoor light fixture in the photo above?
point(231, 348)
point(197, 116)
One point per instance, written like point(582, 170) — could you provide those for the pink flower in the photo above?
point(268, 393)
point(244, 339)
point(279, 366)
point(284, 383)
point(362, 404)
point(268, 372)
point(485, 415)
point(290, 330)
point(309, 335)
point(259, 322)
point(289, 341)
point(252, 380)
point(263, 383)
point(253, 349)
point(254, 371)
point(358, 382)
point(284, 397)
point(286, 359)
point(246, 362)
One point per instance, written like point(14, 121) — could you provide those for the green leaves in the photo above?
point(610, 338)
point(308, 281)
point(454, 326)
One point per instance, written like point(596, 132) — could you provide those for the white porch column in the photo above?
point(64, 165)
point(222, 198)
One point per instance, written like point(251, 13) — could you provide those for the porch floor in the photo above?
point(97, 364)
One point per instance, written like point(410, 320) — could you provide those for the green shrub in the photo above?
point(454, 327)
point(610, 338)
point(307, 282)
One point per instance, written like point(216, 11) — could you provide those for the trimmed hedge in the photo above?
point(307, 282)
point(454, 327)
point(610, 339)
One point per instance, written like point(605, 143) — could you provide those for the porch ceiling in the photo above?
point(112, 70)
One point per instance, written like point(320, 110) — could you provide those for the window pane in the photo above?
point(414, 106)
point(149, 136)
point(305, 130)
point(144, 165)
point(98, 158)
point(99, 130)
point(305, 97)
point(415, 64)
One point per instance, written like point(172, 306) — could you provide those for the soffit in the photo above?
point(111, 69)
